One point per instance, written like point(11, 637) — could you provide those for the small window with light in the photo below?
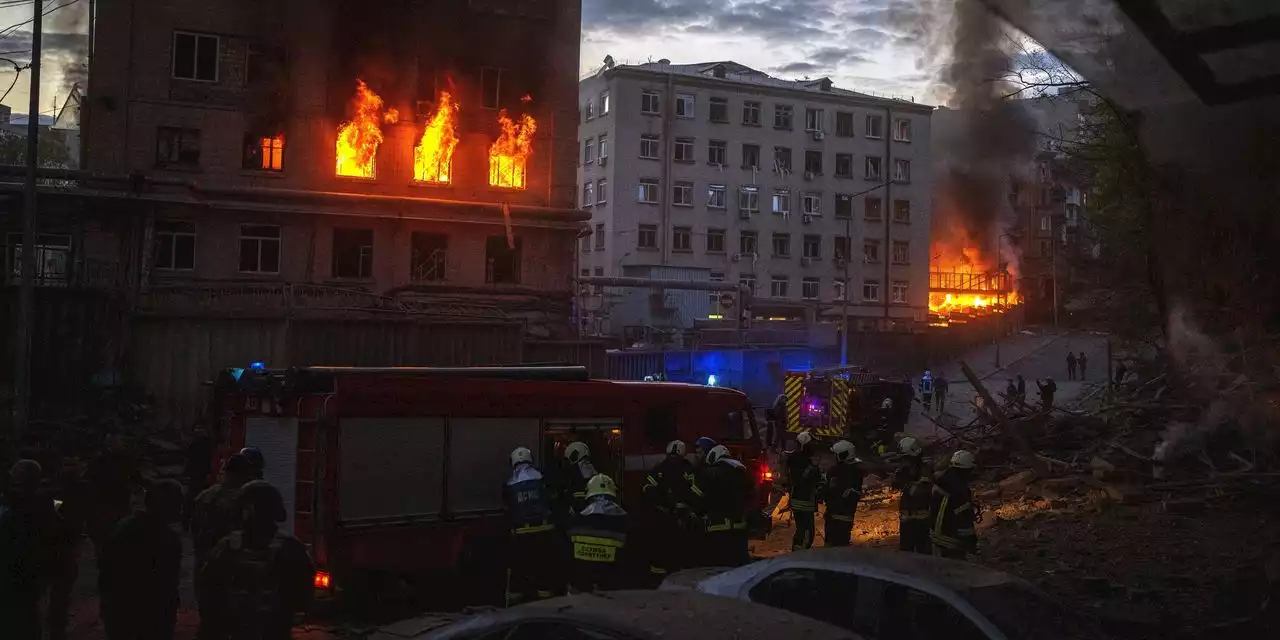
point(264, 151)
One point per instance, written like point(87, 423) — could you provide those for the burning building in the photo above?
point(390, 162)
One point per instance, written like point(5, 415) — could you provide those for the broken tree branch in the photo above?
point(1040, 467)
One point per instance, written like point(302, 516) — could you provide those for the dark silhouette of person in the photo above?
point(112, 477)
point(28, 525)
point(141, 563)
point(198, 468)
point(71, 500)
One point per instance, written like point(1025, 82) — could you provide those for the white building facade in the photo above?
point(802, 191)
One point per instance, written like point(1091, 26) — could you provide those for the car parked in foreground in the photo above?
point(892, 595)
point(620, 615)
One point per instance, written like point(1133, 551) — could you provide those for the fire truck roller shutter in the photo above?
point(277, 439)
point(390, 467)
point(478, 452)
point(839, 404)
point(793, 387)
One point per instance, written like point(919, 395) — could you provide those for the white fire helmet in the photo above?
point(844, 451)
point(601, 485)
point(676, 448)
point(804, 438)
point(717, 453)
point(962, 459)
point(910, 447)
point(576, 451)
point(521, 454)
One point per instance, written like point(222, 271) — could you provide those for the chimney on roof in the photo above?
point(718, 71)
point(608, 62)
point(664, 61)
point(825, 84)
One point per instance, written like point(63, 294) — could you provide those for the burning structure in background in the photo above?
point(433, 157)
point(360, 137)
point(509, 155)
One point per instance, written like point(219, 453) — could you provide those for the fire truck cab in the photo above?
point(400, 470)
point(844, 402)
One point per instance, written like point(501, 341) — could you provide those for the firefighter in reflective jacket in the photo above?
point(571, 482)
point(951, 512)
point(804, 480)
point(917, 488)
point(668, 491)
point(842, 492)
point(598, 536)
point(722, 493)
point(534, 542)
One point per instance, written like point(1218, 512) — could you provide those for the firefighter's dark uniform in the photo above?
point(598, 542)
point(141, 564)
point(569, 493)
point(722, 493)
point(913, 508)
point(805, 479)
point(951, 516)
point(842, 492)
point(533, 553)
point(668, 490)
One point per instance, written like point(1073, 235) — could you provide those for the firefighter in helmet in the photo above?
point(916, 484)
point(722, 493)
point(668, 492)
point(842, 492)
point(804, 480)
point(570, 493)
point(258, 578)
point(256, 460)
point(598, 537)
point(534, 541)
point(951, 511)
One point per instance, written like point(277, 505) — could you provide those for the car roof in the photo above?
point(952, 574)
point(653, 614)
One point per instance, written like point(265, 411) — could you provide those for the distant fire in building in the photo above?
point(360, 137)
point(964, 283)
point(433, 157)
point(509, 155)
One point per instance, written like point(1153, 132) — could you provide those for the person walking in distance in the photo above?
point(804, 479)
point(27, 526)
point(598, 537)
point(258, 577)
point(534, 540)
point(926, 390)
point(940, 392)
point(916, 485)
point(1022, 389)
point(1083, 361)
point(141, 563)
point(722, 493)
point(951, 512)
point(842, 492)
point(668, 492)
point(1047, 388)
point(1071, 365)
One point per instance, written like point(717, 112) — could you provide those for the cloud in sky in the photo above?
point(864, 45)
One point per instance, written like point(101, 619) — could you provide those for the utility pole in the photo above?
point(844, 297)
point(26, 292)
point(1053, 264)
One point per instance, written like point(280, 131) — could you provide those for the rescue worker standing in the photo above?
point(913, 509)
point(842, 491)
point(668, 490)
point(111, 476)
point(216, 514)
point(141, 563)
point(951, 511)
point(926, 390)
point(722, 491)
point(257, 578)
point(534, 543)
point(571, 487)
point(804, 481)
point(27, 527)
point(701, 447)
point(598, 536)
point(256, 460)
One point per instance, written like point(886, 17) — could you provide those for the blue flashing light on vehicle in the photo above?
point(712, 380)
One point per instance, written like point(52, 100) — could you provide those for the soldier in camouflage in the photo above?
point(141, 563)
point(258, 578)
point(215, 513)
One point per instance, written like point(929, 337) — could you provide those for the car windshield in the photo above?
point(1025, 614)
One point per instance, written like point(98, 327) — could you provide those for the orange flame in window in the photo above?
point(358, 138)
point(433, 157)
point(509, 155)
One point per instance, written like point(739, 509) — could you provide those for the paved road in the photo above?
point(1032, 354)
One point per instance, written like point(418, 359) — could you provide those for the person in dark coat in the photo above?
point(28, 525)
point(842, 492)
point(1083, 361)
point(668, 492)
point(804, 482)
point(215, 513)
point(141, 563)
point(722, 494)
point(198, 468)
point(1047, 388)
point(1022, 389)
point(112, 477)
point(71, 500)
point(951, 512)
point(1071, 365)
point(916, 484)
point(601, 559)
point(258, 577)
point(533, 558)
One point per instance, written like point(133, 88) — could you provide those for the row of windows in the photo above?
point(648, 191)
point(714, 241)
point(811, 288)
point(815, 119)
point(594, 150)
point(179, 148)
point(352, 252)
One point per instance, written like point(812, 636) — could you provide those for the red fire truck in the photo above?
point(395, 471)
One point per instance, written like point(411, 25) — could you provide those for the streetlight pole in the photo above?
point(26, 289)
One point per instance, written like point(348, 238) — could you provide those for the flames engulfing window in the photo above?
point(433, 156)
point(264, 153)
point(359, 138)
point(509, 155)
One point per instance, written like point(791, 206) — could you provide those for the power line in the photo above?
point(10, 29)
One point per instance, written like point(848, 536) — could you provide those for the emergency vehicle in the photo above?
point(844, 402)
point(400, 470)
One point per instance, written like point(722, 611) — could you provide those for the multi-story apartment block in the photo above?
point(810, 195)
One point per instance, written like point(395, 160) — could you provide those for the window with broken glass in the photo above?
point(427, 256)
